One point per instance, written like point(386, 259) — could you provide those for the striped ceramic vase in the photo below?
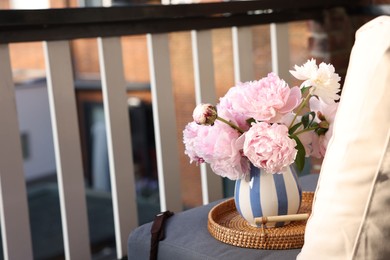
point(266, 194)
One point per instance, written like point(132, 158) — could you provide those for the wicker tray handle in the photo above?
point(282, 218)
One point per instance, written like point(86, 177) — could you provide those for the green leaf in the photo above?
point(300, 158)
point(308, 119)
point(321, 131)
point(294, 128)
point(304, 89)
point(314, 125)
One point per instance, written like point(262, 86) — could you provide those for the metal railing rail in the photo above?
point(74, 23)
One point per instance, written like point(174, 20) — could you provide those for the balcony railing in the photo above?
point(56, 28)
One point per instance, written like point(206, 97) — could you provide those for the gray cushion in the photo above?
point(187, 237)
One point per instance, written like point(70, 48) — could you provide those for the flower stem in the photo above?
point(230, 124)
point(305, 130)
point(301, 106)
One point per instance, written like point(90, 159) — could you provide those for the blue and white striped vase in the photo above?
point(266, 194)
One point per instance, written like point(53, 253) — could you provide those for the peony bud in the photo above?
point(324, 124)
point(320, 116)
point(205, 114)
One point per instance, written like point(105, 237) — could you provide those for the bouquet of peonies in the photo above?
point(266, 123)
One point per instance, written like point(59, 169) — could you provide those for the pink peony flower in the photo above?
point(269, 147)
point(328, 111)
point(265, 100)
point(205, 114)
point(226, 110)
point(217, 145)
point(193, 142)
point(230, 163)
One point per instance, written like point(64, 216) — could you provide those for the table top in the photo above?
point(187, 237)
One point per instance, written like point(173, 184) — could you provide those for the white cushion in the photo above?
point(350, 182)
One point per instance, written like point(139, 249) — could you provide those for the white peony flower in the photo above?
point(322, 78)
point(305, 71)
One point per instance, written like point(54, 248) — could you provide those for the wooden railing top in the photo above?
point(73, 23)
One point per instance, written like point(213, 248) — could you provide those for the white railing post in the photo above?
point(67, 150)
point(242, 54)
point(205, 93)
point(118, 141)
point(15, 226)
point(164, 118)
point(280, 50)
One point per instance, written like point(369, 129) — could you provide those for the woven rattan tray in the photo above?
point(226, 225)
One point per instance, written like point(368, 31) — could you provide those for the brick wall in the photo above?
point(331, 40)
point(4, 4)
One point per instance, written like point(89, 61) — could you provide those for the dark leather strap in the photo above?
point(157, 232)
